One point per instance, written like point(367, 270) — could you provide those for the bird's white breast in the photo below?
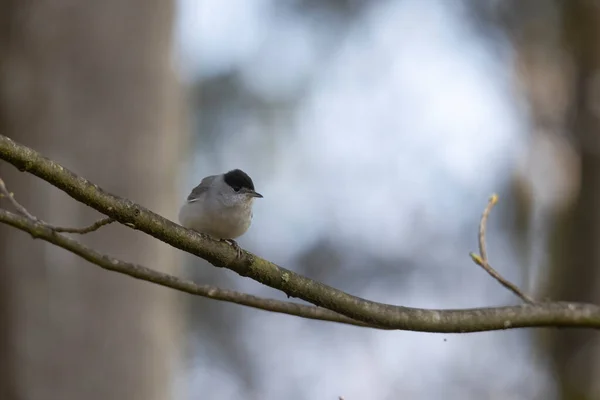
point(216, 220)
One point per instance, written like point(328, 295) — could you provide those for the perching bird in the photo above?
point(221, 206)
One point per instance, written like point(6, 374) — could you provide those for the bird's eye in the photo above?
point(237, 188)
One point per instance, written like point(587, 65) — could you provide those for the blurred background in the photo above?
point(376, 130)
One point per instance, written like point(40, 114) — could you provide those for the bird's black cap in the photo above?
point(238, 179)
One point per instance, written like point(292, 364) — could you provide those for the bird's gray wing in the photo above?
point(202, 188)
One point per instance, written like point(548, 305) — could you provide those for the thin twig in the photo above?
point(483, 225)
point(482, 259)
point(10, 196)
point(23, 211)
point(95, 226)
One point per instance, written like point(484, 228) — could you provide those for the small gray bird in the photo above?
point(221, 206)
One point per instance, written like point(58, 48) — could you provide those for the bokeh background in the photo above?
point(376, 130)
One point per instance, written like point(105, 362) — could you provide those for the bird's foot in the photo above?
point(236, 246)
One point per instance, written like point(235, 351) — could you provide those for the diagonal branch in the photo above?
point(294, 285)
point(41, 231)
point(482, 259)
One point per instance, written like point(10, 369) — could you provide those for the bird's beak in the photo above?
point(252, 193)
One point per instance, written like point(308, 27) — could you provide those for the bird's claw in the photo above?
point(236, 246)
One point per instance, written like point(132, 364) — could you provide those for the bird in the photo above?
point(221, 206)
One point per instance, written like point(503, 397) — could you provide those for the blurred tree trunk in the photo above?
point(575, 246)
point(88, 84)
point(558, 59)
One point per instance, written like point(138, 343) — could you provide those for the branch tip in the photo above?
point(476, 259)
point(493, 199)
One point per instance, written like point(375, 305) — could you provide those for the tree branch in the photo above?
point(556, 314)
point(40, 231)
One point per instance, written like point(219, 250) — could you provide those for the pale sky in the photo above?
point(406, 130)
